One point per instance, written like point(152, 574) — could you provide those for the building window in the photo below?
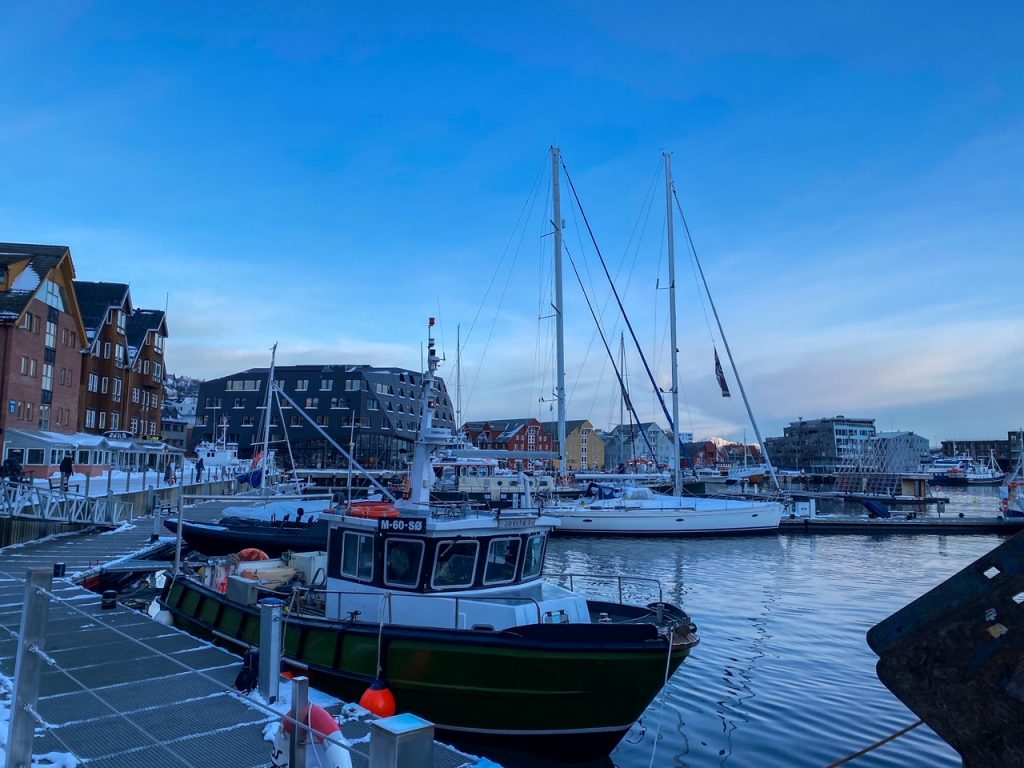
point(51, 334)
point(338, 402)
point(115, 420)
point(104, 385)
point(117, 390)
point(384, 389)
point(326, 385)
point(157, 370)
point(52, 295)
point(352, 385)
point(90, 419)
point(135, 426)
point(158, 342)
point(302, 385)
point(119, 358)
point(248, 421)
point(120, 321)
point(94, 382)
point(295, 421)
point(48, 377)
point(103, 419)
point(135, 393)
point(240, 402)
point(312, 402)
point(371, 405)
point(145, 367)
point(323, 421)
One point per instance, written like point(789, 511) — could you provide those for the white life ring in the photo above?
point(319, 752)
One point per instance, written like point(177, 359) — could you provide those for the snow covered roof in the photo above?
point(42, 259)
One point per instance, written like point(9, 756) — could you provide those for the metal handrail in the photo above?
point(290, 595)
point(614, 578)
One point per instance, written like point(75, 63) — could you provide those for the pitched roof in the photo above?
point(507, 427)
point(95, 299)
point(137, 325)
point(42, 260)
point(551, 427)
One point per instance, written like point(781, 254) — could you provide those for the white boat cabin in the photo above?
point(465, 572)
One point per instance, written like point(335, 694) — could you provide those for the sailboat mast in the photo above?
point(676, 486)
point(266, 411)
point(458, 376)
point(556, 220)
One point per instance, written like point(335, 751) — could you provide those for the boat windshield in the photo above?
point(454, 564)
point(403, 559)
point(357, 556)
point(502, 558)
point(534, 558)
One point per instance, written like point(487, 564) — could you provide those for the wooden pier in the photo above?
point(949, 525)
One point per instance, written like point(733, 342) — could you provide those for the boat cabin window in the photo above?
point(502, 558)
point(454, 564)
point(402, 561)
point(534, 556)
point(357, 556)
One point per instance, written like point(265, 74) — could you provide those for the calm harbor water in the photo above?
point(783, 676)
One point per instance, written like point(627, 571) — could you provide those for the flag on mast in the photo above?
point(720, 375)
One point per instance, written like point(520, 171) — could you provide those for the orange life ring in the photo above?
point(251, 554)
point(373, 509)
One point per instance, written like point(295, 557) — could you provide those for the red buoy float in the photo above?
point(251, 555)
point(378, 699)
point(319, 751)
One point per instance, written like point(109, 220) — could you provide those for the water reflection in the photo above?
point(783, 676)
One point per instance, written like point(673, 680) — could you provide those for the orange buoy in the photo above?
point(373, 509)
point(251, 554)
point(378, 699)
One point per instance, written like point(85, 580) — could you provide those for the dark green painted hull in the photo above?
point(566, 690)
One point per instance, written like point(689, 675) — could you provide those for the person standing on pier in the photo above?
point(199, 470)
point(66, 470)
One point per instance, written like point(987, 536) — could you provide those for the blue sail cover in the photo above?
point(253, 478)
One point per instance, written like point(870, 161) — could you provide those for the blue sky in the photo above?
point(328, 176)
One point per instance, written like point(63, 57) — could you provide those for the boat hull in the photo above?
point(224, 538)
point(565, 690)
point(646, 521)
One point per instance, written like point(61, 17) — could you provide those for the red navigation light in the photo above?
point(432, 321)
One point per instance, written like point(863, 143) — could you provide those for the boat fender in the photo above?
point(248, 675)
point(319, 752)
point(378, 699)
point(251, 554)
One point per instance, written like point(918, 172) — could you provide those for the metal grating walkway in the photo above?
point(123, 690)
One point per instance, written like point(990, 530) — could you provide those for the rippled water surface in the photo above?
point(783, 676)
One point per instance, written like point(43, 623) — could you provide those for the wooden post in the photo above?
point(28, 668)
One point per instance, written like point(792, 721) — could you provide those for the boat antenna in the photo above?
point(728, 351)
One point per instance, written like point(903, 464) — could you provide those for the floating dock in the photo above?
point(901, 525)
point(121, 690)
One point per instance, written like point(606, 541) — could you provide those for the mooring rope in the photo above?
point(876, 745)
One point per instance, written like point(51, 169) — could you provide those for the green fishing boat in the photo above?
point(448, 606)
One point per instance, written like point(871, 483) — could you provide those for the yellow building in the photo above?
point(584, 448)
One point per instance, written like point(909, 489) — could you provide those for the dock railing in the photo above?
point(30, 502)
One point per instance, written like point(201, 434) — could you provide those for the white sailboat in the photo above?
point(634, 511)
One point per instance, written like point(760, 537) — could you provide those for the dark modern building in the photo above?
point(375, 409)
point(819, 446)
